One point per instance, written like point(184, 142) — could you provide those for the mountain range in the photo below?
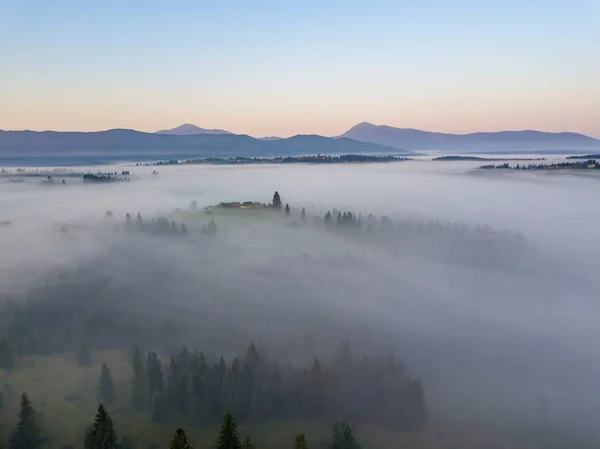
point(189, 141)
point(520, 141)
point(124, 144)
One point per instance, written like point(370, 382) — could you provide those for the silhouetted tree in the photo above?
point(102, 434)
point(228, 436)
point(303, 214)
point(287, 210)
point(300, 442)
point(106, 389)
point(139, 382)
point(179, 440)
point(156, 382)
point(27, 433)
point(276, 200)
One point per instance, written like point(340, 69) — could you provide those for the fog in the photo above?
point(490, 318)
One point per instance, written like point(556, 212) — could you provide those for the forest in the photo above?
point(177, 327)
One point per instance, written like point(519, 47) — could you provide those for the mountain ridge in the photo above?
point(416, 139)
point(123, 144)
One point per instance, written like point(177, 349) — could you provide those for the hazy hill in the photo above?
point(123, 144)
point(187, 129)
point(517, 141)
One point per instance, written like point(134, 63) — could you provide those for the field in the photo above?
point(65, 397)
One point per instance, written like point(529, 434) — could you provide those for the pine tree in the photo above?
point(303, 214)
point(27, 433)
point(139, 382)
point(106, 389)
point(287, 210)
point(156, 382)
point(179, 440)
point(228, 436)
point(300, 442)
point(247, 444)
point(102, 434)
point(276, 200)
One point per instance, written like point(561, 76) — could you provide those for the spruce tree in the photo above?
point(276, 200)
point(287, 210)
point(179, 440)
point(300, 442)
point(106, 389)
point(156, 382)
point(303, 214)
point(27, 433)
point(102, 434)
point(247, 444)
point(139, 382)
point(228, 436)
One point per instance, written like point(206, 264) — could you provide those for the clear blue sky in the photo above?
point(285, 67)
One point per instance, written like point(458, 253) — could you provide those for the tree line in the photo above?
point(102, 433)
point(193, 389)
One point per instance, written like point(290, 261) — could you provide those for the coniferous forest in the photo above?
point(220, 325)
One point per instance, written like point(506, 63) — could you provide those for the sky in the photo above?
point(285, 67)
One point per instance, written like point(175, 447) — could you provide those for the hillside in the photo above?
point(122, 144)
point(516, 141)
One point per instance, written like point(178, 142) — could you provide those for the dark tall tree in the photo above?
point(27, 433)
point(139, 382)
point(106, 389)
point(228, 436)
point(276, 200)
point(303, 214)
point(156, 382)
point(287, 210)
point(179, 440)
point(102, 433)
point(300, 442)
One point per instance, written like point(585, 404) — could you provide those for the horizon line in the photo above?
point(158, 132)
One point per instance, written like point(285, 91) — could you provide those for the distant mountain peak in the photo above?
point(188, 129)
point(363, 125)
